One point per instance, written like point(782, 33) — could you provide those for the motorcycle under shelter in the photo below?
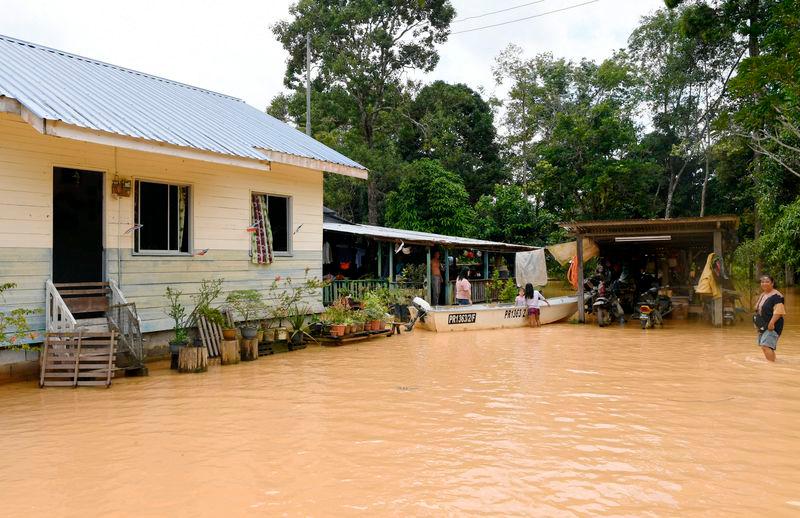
point(674, 251)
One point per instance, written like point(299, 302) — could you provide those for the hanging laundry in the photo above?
point(530, 267)
point(708, 284)
point(327, 254)
point(360, 253)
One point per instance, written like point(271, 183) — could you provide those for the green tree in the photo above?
point(508, 215)
point(571, 138)
point(452, 123)
point(430, 199)
point(363, 47)
point(684, 83)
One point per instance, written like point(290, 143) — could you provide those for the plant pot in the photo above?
point(297, 339)
point(338, 329)
point(174, 346)
point(260, 335)
point(374, 325)
point(281, 333)
point(269, 335)
point(359, 327)
point(249, 332)
point(229, 334)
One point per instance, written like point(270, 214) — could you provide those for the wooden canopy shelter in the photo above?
point(714, 233)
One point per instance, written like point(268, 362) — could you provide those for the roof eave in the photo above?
point(313, 163)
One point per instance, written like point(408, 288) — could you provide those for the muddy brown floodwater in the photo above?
point(565, 420)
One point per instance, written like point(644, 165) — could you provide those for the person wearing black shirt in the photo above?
point(769, 317)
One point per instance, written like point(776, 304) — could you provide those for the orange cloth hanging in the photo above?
point(572, 273)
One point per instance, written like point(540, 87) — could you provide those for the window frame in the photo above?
point(136, 248)
point(289, 252)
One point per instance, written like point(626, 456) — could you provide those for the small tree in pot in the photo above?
point(248, 304)
point(300, 329)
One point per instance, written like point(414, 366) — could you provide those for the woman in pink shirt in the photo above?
point(463, 289)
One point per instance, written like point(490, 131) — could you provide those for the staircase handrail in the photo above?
point(58, 317)
point(130, 336)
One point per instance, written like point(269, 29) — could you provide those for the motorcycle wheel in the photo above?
point(601, 317)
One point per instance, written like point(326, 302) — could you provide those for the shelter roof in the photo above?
point(644, 227)
point(57, 88)
point(411, 237)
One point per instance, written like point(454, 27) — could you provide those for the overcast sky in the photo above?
point(228, 46)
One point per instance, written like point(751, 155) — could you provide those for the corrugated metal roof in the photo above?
point(59, 86)
point(411, 237)
point(703, 224)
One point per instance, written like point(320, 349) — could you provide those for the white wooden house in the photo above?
point(109, 174)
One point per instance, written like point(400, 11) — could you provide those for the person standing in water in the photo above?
point(770, 309)
point(436, 278)
point(532, 299)
point(463, 289)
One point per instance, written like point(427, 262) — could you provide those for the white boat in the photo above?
point(496, 316)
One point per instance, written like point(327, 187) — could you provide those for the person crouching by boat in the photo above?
point(463, 289)
point(532, 299)
point(769, 317)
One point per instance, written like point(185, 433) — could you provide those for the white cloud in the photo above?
point(228, 46)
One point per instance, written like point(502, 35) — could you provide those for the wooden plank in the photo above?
point(79, 284)
point(71, 293)
point(87, 304)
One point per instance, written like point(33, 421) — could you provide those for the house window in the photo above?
point(162, 218)
point(271, 224)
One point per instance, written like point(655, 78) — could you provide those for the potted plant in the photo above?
point(180, 318)
point(247, 303)
point(375, 310)
point(336, 315)
point(359, 321)
point(299, 330)
point(268, 331)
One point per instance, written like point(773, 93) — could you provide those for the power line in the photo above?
point(525, 18)
point(496, 12)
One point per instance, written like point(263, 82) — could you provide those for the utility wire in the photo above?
point(496, 12)
point(525, 18)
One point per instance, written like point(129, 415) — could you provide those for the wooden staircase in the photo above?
point(92, 331)
point(75, 359)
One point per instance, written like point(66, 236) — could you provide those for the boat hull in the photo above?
point(495, 316)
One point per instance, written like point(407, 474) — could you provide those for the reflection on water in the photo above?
point(564, 420)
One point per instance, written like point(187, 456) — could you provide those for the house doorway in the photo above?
point(77, 225)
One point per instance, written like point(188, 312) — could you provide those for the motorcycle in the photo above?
point(653, 308)
point(606, 305)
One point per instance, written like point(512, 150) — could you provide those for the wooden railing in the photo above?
point(124, 319)
point(357, 288)
point(58, 317)
point(482, 291)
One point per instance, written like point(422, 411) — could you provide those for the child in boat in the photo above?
point(532, 299)
point(520, 300)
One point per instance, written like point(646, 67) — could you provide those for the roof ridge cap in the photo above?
point(64, 53)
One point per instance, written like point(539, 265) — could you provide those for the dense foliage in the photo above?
point(698, 115)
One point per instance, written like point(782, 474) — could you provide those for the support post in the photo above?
point(446, 277)
point(380, 260)
point(308, 84)
point(391, 262)
point(428, 275)
point(717, 320)
point(485, 265)
point(581, 303)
